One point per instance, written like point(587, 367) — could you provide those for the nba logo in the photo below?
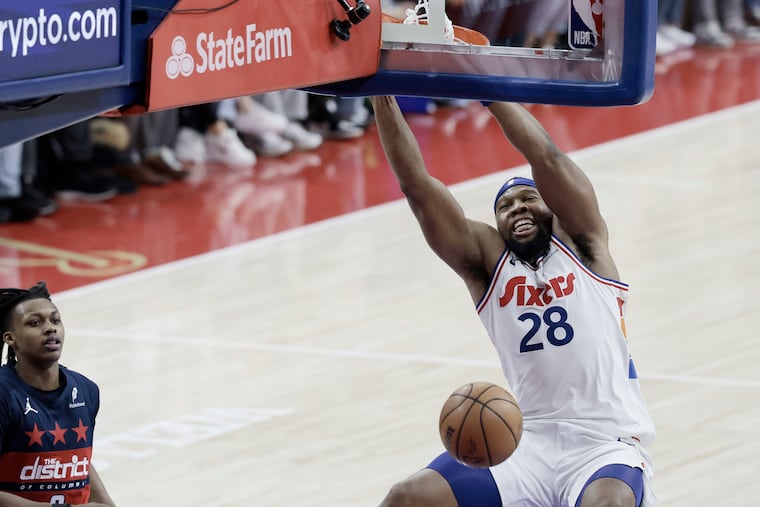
point(586, 24)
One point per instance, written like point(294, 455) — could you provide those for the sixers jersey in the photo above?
point(559, 330)
point(46, 438)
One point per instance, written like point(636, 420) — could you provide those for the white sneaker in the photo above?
point(270, 144)
point(260, 120)
point(228, 149)
point(664, 45)
point(681, 37)
point(754, 12)
point(741, 31)
point(302, 139)
point(189, 146)
point(710, 34)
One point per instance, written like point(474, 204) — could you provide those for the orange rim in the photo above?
point(387, 18)
point(470, 36)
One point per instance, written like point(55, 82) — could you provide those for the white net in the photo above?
point(419, 15)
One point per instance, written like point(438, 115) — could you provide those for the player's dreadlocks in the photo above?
point(9, 299)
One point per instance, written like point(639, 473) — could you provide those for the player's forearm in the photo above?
point(561, 183)
point(400, 146)
point(525, 133)
point(11, 500)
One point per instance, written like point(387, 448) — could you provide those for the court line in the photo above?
point(494, 178)
point(375, 355)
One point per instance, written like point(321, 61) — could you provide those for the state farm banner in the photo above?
point(199, 55)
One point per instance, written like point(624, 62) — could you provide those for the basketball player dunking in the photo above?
point(47, 412)
point(545, 287)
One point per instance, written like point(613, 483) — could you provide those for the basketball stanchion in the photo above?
point(156, 55)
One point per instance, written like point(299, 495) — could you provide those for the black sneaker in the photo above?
point(15, 209)
point(123, 185)
point(36, 198)
point(82, 185)
point(337, 129)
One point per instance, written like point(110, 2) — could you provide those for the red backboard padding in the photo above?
point(255, 46)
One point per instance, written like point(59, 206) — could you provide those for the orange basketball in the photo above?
point(480, 424)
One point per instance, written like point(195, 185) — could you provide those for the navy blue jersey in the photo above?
point(46, 437)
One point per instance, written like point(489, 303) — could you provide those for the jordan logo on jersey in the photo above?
point(28, 408)
point(518, 289)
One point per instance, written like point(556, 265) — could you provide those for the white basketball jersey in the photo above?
point(559, 330)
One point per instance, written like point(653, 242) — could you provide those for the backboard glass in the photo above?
point(603, 55)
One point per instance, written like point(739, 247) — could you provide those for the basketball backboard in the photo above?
point(604, 54)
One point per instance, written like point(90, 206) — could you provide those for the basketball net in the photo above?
point(428, 23)
point(419, 16)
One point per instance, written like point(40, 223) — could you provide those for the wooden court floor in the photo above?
point(307, 368)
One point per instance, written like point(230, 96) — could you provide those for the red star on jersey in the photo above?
point(35, 436)
point(81, 431)
point(58, 434)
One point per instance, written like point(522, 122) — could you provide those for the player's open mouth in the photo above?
point(52, 343)
point(523, 226)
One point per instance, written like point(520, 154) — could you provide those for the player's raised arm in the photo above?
point(449, 233)
point(564, 187)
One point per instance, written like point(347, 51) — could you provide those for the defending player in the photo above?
point(545, 287)
point(47, 412)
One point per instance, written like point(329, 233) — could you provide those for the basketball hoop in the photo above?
point(428, 23)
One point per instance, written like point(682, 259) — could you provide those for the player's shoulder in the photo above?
point(7, 375)
point(78, 378)
point(492, 243)
point(8, 383)
point(487, 233)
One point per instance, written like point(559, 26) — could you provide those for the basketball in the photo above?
point(480, 424)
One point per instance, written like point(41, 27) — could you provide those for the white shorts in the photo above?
point(554, 460)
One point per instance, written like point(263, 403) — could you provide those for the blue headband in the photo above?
point(512, 182)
